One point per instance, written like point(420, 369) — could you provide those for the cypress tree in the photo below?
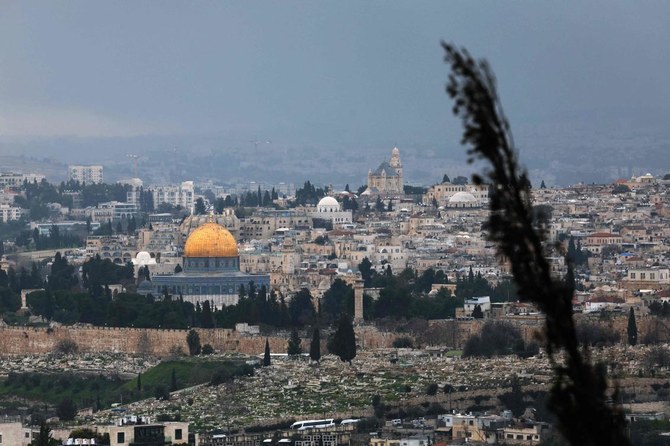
point(632, 328)
point(173, 384)
point(266, 357)
point(477, 312)
point(207, 317)
point(139, 382)
point(344, 341)
point(294, 348)
point(315, 345)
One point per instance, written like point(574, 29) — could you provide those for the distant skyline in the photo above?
point(328, 74)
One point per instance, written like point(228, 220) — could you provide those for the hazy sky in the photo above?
point(316, 71)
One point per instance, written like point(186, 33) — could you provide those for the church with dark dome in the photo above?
point(211, 270)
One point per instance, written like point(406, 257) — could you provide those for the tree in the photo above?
point(193, 341)
point(542, 185)
point(207, 320)
point(301, 309)
point(379, 204)
point(315, 345)
point(294, 348)
point(344, 340)
point(266, 356)
point(513, 400)
point(365, 267)
point(632, 328)
point(66, 409)
point(477, 312)
point(445, 178)
point(338, 298)
point(200, 208)
point(620, 189)
point(207, 349)
point(173, 381)
point(431, 389)
point(139, 382)
point(44, 437)
point(460, 180)
point(579, 389)
point(178, 268)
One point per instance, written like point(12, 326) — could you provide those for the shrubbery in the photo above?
point(496, 338)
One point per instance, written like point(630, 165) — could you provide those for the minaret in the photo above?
point(358, 301)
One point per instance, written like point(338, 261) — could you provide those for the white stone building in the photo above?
point(85, 174)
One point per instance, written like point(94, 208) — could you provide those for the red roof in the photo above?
point(603, 234)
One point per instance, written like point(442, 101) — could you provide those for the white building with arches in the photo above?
point(329, 209)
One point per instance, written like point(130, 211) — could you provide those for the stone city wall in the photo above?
point(28, 340)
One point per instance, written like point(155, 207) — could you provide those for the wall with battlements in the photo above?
point(26, 340)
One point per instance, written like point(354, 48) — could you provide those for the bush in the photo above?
point(67, 347)
point(594, 334)
point(496, 338)
point(657, 356)
point(431, 389)
point(161, 393)
point(66, 409)
point(207, 349)
point(403, 342)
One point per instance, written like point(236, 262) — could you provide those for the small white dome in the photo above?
point(328, 201)
point(462, 197)
point(143, 258)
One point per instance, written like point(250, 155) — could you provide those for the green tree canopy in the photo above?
point(344, 340)
point(294, 348)
point(193, 342)
point(315, 345)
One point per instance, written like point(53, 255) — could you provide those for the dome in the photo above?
point(328, 201)
point(210, 240)
point(462, 197)
point(143, 258)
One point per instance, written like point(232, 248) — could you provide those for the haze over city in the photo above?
point(235, 223)
point(337, 82)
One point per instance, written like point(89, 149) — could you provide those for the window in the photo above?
point(643, 275)
point(121, 437)
point(632, 275)
point(177, 434)
point(652, 276)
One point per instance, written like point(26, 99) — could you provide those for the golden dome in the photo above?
point(210, 240)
